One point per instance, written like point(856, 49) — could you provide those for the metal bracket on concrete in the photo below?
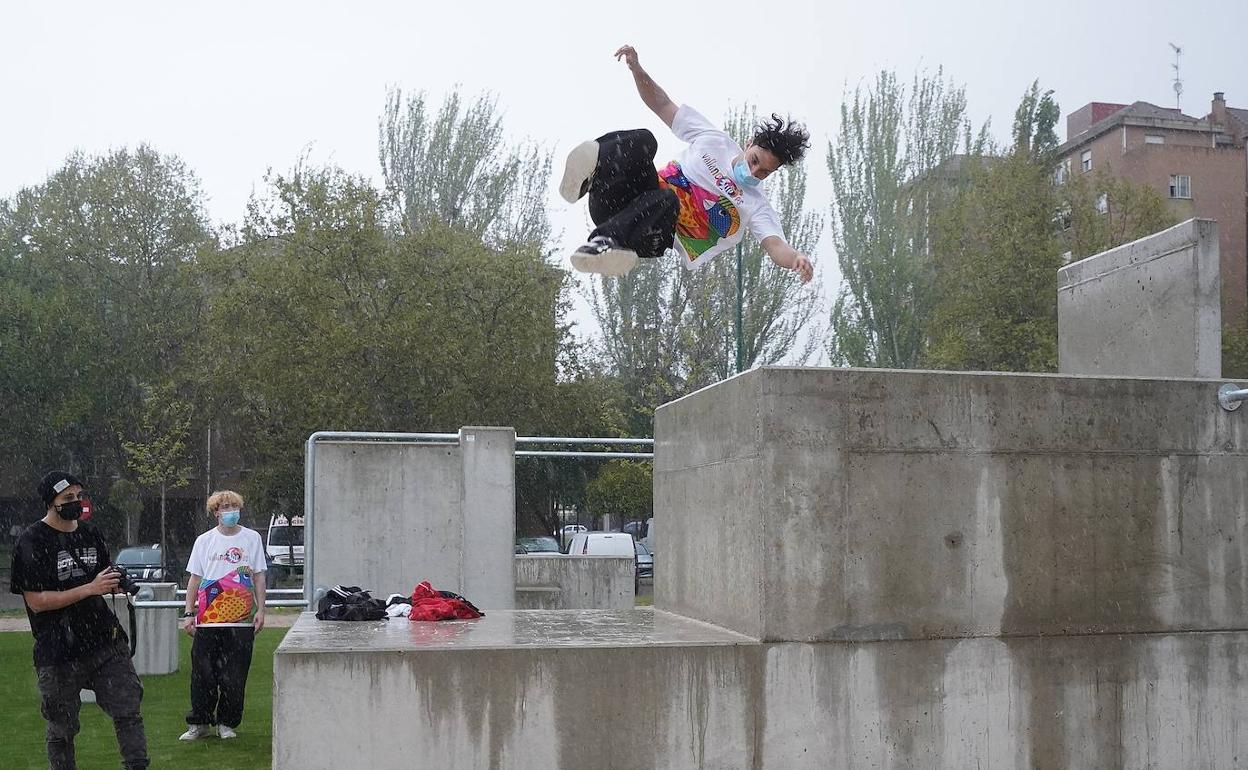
point(1230, 395)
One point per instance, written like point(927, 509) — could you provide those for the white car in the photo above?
point(602, 544)
point(567, 533)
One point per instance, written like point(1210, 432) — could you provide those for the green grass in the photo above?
point(166, 699)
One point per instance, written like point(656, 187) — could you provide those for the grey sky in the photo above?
point(234, 88)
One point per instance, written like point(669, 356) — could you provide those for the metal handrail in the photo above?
point(555, 453)
point(309, 469)
point(582, 440)
point(1230, 396)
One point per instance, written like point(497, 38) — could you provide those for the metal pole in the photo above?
point(740, 311)
point(552, 453)
point(603, 441)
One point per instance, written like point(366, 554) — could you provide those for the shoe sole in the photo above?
point(577, 170)
point(613, 262)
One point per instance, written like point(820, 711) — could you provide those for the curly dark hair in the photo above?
point(788, 140)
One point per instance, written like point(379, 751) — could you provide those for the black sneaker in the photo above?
point(578, 171)
point(604, 256)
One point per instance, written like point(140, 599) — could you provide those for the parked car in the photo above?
point(284, 546)
point(565, 535)
point(537, 545)
point(645, 561)
point(148, 564)
point(602, 544)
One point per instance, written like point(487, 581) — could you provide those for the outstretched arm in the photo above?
point(788, 257)
point(654, 97)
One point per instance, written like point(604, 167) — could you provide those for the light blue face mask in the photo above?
point(229, 518)
point(741, 173)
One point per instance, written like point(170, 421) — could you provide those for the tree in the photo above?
point(890, 168)
point(1100, 211)
point(158, 452)
point(1035, 126)
point(124, 497)
point(999, 242)
point(997, 257)
point(455, 169)
point(329, 316)
point(624, 490)
point(93, 276)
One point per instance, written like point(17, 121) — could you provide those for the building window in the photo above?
point(1154, 139)
point(1180, 186)
point(1102, 203)
point(1085, 160)
point(1062, 172)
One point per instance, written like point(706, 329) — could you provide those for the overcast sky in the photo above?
point(236, 88)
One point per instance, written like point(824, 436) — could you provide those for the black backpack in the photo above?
point(349, 603)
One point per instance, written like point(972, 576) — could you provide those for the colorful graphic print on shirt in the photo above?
point(705, 217)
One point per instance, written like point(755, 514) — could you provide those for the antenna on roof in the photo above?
point(1178, 81)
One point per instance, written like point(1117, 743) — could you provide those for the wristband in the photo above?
point(188, 615)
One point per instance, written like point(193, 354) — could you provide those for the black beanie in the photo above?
point(55, 482)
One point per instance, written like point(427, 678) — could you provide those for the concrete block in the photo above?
point(488, 508)
point(1149, 308)
point(1079, 703)
point(858, 505)
point(645, 689)
point(389, 514)
point(515, 689)
point(580, 582)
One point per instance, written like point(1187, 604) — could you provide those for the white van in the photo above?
point(602, 544)
point(284, 545)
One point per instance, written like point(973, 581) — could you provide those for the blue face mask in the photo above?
point(741, 173)
point(229, 518)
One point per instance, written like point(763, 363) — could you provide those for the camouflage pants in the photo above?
point(111, 675)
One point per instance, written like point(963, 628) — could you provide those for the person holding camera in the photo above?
point(224, 610)
point(62, 569)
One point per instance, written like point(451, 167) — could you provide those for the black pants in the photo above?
point(220, 660)
point(625, 199)
point(110, 673)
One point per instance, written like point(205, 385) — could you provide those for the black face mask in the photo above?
point(71, 511)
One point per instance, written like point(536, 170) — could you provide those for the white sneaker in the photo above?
point(578, 171)
point(225, 731)
point(604, 256)
point(194, 732)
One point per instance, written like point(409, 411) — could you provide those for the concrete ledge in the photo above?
point(645, 689)
point(583, 582)
point(515, 689)
point(858, 505)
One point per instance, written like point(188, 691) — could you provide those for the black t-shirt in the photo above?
point(42, 562)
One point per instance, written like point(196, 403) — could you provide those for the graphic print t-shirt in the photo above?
point(226, 565)
point(713, 207)
point(43, 560)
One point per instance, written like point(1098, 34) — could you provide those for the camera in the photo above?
point(124, 581)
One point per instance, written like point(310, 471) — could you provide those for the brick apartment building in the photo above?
point(1198, 164)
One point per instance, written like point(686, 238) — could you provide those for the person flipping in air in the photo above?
point(700, 204)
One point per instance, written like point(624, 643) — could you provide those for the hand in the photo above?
point(803, 267)
point(188, 625)
point(105, 582)
point(258, 623)
point(629, 54)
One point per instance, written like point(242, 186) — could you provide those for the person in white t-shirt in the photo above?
point(700, 205)
point(224, 610)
